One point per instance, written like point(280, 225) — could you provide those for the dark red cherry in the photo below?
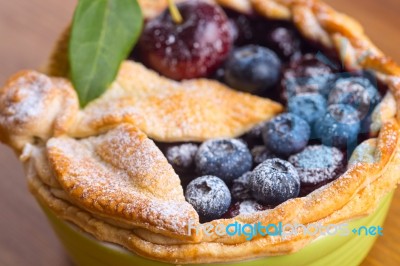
point(194, 48)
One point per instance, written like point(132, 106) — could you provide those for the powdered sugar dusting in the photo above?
point(249, 206)
point(181, 155)
point(209, 196)
point(364, 153)
point(318, 163)
point(192, 110)
point(122, 174)
point(274, 181)
point(33, 107)
point(27, 93)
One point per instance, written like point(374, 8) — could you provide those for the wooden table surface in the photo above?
point(28, 29)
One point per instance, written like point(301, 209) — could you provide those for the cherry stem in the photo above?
point(175, 14)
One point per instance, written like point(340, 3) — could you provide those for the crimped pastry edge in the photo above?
point(364, 202)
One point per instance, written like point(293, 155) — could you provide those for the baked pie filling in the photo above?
point(245, 111)
point(326, 109)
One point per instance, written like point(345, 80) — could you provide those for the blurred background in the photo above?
point(28, 30)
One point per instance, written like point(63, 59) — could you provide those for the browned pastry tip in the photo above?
point(34, 107)
point(124, 176)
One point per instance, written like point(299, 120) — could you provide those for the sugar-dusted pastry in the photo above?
point(227, 112)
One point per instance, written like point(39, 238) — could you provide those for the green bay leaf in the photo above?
point(103, 33)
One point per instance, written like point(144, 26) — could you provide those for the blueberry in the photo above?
point(181, 157)
point(309, 106)
point(252, 69)
point(226, 158)
point(307, 75)
point(339, 127)
point(274, 181)
point(318, 164)
point(209, 196)
point(357, 92)
point(286, 134)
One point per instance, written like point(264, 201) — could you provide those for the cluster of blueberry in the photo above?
point(320, 105)
point(231, 174)
point(290, 155)
point(336, 119)
point(223, 164)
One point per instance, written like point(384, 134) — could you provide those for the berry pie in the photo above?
point(245, 111)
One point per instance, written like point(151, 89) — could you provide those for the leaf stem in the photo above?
point(175, 14)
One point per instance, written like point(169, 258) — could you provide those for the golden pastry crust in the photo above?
point(373, 170)
point(169, 111)
point(34, 107)
point(362, 202)
point(123, 176)
point(166, 110)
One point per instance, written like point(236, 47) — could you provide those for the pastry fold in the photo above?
point(123, 176)
point(34, 107)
